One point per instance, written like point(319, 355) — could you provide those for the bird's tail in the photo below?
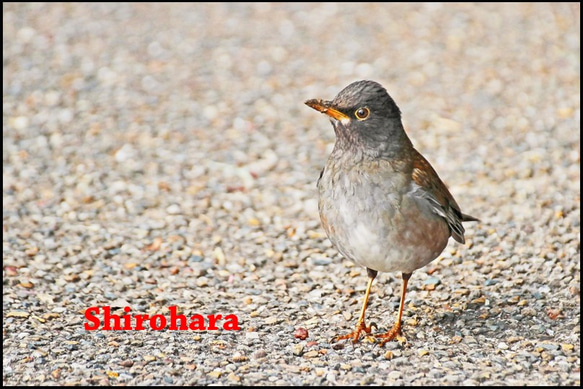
point(468, 218)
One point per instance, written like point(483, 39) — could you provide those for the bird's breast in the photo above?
point(369, 217)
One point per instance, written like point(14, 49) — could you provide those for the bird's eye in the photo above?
point(362, 113)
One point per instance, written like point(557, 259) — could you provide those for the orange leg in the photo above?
point(396, 330)
point(361, 326)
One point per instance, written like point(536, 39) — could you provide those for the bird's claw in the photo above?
point(393, 333)
point(361, 328)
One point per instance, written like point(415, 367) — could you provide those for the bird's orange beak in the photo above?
point(325, 107)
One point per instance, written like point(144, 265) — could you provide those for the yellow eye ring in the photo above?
point(362, 113)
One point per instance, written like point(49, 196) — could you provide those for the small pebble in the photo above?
point(301, 333)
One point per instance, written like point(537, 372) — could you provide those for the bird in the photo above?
point(381, 203)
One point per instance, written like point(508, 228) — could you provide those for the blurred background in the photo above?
point(161, 154)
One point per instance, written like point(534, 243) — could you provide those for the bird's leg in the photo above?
point(396, 330)
point(361, 326)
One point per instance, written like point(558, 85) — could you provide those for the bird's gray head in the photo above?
point(365, 119)
point(366, 95)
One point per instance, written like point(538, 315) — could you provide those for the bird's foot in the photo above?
point(361, 328)
point(393, 333)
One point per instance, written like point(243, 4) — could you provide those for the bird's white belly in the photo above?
point(377, 222)
point(388, 243)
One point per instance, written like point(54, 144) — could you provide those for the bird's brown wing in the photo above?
point(431, 188)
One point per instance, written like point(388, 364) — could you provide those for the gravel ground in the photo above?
point(161, 155)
